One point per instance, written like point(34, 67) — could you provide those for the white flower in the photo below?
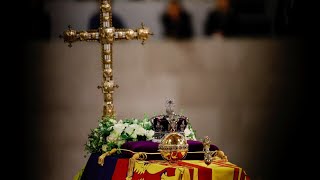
point(149, 134)
point(135, 127)
point(134, 135)
point(140, 131)
point(118, 128)
point(113, 137)
point(104, 147)
point(193, 137)
point(135, 121)
point(187, 131)
point(120, 121)
point(129, 130)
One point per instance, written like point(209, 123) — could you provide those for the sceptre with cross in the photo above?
point(106, 34)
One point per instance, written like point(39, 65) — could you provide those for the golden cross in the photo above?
point(106, 35)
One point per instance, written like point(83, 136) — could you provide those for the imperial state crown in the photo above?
point(169, 122)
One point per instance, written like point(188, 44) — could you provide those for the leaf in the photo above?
point(124, 136)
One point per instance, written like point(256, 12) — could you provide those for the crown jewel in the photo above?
point(169, 122)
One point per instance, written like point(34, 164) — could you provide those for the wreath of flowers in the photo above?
point(111, 133)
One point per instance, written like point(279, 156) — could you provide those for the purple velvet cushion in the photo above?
point(141, 146)
point(151, 147)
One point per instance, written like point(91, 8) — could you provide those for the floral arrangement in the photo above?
point(111, 133)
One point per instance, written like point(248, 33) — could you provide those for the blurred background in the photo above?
point(235, 68)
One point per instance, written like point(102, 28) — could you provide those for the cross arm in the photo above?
point(105, 35)
point(72, 35)
point(129, 34)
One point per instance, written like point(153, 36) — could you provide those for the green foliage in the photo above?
point(111, 133)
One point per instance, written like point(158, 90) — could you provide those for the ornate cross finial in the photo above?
point(171, 116)
point(106, 35)
point(169, 107)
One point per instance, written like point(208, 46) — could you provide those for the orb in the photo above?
point(173, 147)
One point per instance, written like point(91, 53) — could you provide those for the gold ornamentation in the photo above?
point(105, 7)
point(103, 156)
point(108, 72)
point(106, 18)
point(107, 61)
point(220, 155)
point(207, 153)
point(130, 34)
point(108, 86)
point(143, 33)
point(107, 52)
point(84, 35)
point(137, 156)
point(206, 143)
point(109, 96)
point(106, 34)
point(69, 36)
point(108, 108)
point(210, 156)
point(173, 147)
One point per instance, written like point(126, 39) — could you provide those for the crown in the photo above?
point(169, 122)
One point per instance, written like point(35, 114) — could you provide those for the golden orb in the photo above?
point(173, 147)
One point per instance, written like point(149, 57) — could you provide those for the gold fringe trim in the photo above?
point(141, 156)
point(104, 155)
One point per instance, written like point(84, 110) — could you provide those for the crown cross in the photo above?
point(171, 117)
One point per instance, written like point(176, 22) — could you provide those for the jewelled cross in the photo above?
point(171, 116)
point(106, 34)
